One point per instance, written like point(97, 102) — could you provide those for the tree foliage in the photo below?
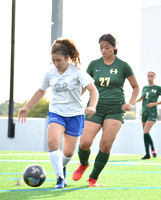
point(40, 110)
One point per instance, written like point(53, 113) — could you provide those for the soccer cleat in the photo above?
point(64, 172)
point(147, 156)
point(60, 183)
point(78, 173)
point(154, 153)
point(93, 182)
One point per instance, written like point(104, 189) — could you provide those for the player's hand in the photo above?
point(127, 107)
point(150, 105)
point(90, 111)
point(22, 115)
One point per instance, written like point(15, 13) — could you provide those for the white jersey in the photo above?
point(66, 90)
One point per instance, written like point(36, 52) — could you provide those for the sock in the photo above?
point(100, 162)
point(56, 161)
point(150, 141)
point(146, 143)
point(66, 160)
point(84, 156)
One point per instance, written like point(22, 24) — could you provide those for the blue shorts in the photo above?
point(73, 125)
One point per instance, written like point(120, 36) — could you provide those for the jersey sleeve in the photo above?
point(84, 78)
point(89, 69)
point(128, 70)
point(159, 90)
point(45, 82)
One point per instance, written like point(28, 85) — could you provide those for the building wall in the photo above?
point(31, 136)
point(150, 43)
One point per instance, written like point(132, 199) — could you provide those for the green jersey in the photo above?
point(150, 94)
point(109, 80)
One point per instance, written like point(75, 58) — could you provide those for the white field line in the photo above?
point(136, 163)
point(21, 154)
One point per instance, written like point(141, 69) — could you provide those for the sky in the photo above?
point(84, 21)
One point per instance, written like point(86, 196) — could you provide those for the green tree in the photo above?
point(38, 111)
point(4, 109)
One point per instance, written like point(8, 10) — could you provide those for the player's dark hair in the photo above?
point(109, 38)
point(66, 48)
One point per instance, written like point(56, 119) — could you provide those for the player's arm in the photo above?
point(140, 99)
point(135, 92)
point(91, 109)
point(150, 105)
point(35, 98)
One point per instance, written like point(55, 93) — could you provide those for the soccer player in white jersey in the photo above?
point(66, 110)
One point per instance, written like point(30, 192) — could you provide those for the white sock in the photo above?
point(66, 159)
point(57, 163)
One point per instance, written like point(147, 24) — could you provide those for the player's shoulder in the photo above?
point(124, 63)
point(73, 68)
point(96, 61)
point(157, 87)
point(50, 69)
point(146, 86)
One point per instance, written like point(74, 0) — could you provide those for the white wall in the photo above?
point(31, 136)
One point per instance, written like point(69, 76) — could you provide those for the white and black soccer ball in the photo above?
point(34, 175)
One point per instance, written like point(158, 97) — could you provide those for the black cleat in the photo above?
point(147, 156)
point(60, 183)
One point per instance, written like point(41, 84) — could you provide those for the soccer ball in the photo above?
point(34, 175)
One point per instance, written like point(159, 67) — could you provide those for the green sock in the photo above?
point(146, 143)
point(100, 162)
point(150, 141)
point(84, 156)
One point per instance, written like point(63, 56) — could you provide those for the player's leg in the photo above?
point(146, 144)
point(90, 131)
point(55, 132)
point(74, 128)
point(110, 129)
point(68, 151)
point(148, 139)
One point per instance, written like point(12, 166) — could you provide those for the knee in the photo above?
point(105, 146)
point(68, 154)
point(52, 146)
point(85, 144)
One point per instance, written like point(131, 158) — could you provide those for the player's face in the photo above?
point(106, 49)
point(151, 77)
point(60, 62)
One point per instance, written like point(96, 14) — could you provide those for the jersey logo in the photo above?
point(113, 71)
point(154, 91)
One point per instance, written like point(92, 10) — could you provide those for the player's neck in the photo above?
point(151, 84)
point(109, 60)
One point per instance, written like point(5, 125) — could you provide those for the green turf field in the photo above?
point(125, 177)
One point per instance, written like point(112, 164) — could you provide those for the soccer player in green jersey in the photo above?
point(109, 73)
point(149, 98)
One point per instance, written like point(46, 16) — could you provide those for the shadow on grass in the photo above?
point(39, 193)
